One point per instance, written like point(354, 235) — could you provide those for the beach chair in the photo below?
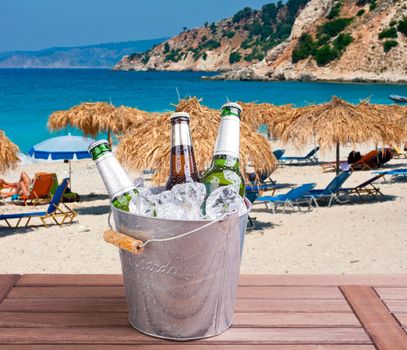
point(395, 174)
point(64, 215)
point(278, 153)
point(398, 153)
point(254, 191)
point(289, 199)
point(330, 192)
point(39, 191)
point(367, 162)
point(367, 188)
point(310, 158)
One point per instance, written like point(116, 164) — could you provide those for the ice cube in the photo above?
point(224, 200)
point(182, 202)
point(140, 203)
point(138, 182)
point(189, 196)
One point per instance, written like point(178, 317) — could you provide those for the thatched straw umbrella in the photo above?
point(255, 114)
point(96, 117)
point(395, 114)
point(148, 146)
point(8, 153)
point(339, 122)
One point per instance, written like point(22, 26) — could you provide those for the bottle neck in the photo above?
point(228, 139)
point(114, 177)
point(180, 135)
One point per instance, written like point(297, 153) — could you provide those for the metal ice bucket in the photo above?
point(183, 285)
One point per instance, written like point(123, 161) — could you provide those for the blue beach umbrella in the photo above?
point(65, 148)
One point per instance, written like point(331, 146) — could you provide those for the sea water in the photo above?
point(29, 96)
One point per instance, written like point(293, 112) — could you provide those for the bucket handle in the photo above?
point(136, 246)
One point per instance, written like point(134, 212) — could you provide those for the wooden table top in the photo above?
point(290, 312)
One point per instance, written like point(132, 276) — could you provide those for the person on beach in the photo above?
point(21, 187)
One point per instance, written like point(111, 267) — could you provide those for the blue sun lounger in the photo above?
point(278, 153)
point(310, 158)
point(289, 199)
point(395, 173)
point(331, 191)
point(53, 212)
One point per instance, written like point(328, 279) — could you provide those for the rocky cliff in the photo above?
point(346, 40)
point(235, 42)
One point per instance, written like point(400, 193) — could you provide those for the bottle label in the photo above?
point(228, 140)
point(113, 175)
point(181, 135)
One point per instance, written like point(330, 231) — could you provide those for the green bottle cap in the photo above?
point(232, 105)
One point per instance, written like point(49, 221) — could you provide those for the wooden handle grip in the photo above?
point(123, 241)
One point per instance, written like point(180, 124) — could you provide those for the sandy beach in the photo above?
point(356, 237)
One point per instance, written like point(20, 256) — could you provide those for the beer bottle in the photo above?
point(182, 164)
point(118, 184)
point(225, 169)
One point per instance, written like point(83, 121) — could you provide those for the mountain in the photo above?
point(91, 56)
point(345, 40)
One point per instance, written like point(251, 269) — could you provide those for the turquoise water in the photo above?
point(28, 97)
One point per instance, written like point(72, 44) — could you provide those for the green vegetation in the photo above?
point(145, 59)
point(228, 34)
point(393, 23)
point(331, 43)
point(166, 48)
point(210, 44)
point(303, 49)
point(234, 57)
point(335, 11)
point(256, 54)
point(373, 5)
point(388, 33)
point(246, 13)
point(173, 55)
point(389, 44)
point(213, 28)
point(204, 56)
point(360, 13)
point(342, 41)
point(402, 27)
point(326, 54)
point(334, 27)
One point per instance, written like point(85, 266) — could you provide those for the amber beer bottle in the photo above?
point(225, 168)
point(182, 164)
point(118, 184)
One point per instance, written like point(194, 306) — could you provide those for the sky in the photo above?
point(39, 24)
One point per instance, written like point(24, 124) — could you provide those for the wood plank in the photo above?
point(123, 335)
point(85, 292)
point(113, 292)
point(324, 280)
point(183, 346)
point(375, 318)
point(392, 293)
point(402, 319)
point(119, 305)
point(254, 305)
point(396, 306)
point(120, 319)
point(279, 293)
point(64, 305)
point(245, 280)
point(70, 280)
point(6, 284)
